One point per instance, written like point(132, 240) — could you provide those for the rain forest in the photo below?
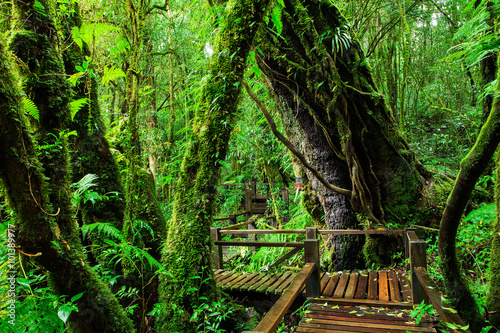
point(249, 166)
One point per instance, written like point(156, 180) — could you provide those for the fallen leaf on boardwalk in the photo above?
point(353, 311)
point(335, 307)
point(325, 305)
point(370, 312)
point(400, 315)
point(308, 320)
point(360, 314)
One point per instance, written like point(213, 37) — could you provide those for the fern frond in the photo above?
point(103, 229)
point(85, 183)
point(29, 107)
point(76, 106)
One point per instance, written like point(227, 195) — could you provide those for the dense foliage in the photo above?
point(137, 86)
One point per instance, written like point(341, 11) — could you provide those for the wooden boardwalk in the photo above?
point(356, 301)
point(382, 286)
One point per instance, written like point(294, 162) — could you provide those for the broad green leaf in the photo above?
point(64, 312)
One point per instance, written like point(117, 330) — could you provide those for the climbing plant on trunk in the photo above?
point(320, 74)
point(187, 249)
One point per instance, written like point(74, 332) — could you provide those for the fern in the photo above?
point(29, 107)
point(104, 229)
point(84, 184)
point(341, 39)
point(76, 106)
point(111, 74)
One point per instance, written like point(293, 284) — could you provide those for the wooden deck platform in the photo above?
point(381, 286)
point(326, 315)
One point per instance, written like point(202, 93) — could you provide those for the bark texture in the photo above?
point(39, 230)
point(471, 168)
point(189, 281)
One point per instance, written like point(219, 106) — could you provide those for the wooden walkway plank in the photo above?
point(327, 309)
point(223, 275)
point(263, 287)
point(365, 302)
point(383, 293)
point(330, 287)
point(239, 284)
point(228, 278)
point(372, 285)
point(257, 284)
point(351, 286)
point(324, 282)
point(339, 291)
point(362, 285)
point(241, 277)
point(395, 293)
point(251, 282)
point(278, 283)
point(405, 287)
point(286, 283)
point(341, 325)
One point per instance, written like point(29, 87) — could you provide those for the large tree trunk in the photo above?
point(187, 250)
point(471, 168)
point(322, 77)
point(45, 229)
point(338, 213)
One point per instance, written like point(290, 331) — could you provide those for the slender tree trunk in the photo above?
point(471, 167)
point(46, 229)
point(187, 250)
point(493, 299)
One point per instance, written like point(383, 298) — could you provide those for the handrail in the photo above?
point(238, 225)
point(226, 231)
point(434, 296)
point(274, 316)
point(268, 244)
point(230, 230)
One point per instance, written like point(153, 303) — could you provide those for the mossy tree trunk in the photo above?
point(40, 231)
point(187, 252)
point(321, 76)
point(471, 168)
point(90, 150)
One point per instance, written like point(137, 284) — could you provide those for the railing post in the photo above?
point(311, 255)
point(217, 257)
point(311, 233)
point(248, 201)
point(407, 245)
point(418, 258)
